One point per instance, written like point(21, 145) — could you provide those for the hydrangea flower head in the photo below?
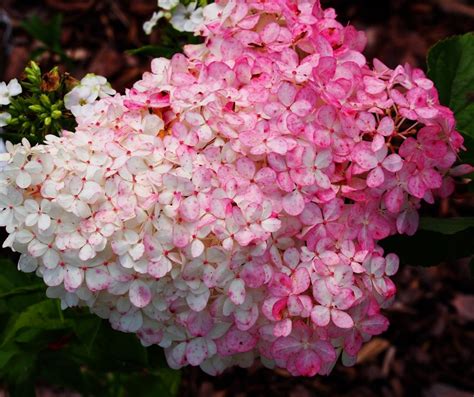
point(229, 206)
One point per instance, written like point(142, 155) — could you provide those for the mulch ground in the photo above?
point(429, 348)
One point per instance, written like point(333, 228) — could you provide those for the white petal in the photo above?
point(14, 88)
point(24, 236)
point(131, 322)
point(197, 248)
point(44, 222)
point(37, 248)
point(73, 278)
point(53, 277)
point(198, 302)
point(140, 294)
point(196, 351)
point(23, 180)
point(51, 259)
point(27, 264)
point(137, 251)
point(31, 219)
point(98, 279)
point(159, 267)
point(86, 252)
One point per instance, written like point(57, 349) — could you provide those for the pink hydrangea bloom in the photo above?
point(229, 206)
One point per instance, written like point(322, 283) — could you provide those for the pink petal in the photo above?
point(245, 168)
point(365, 159)
point(97, 279)
point(237, 291)
point(322, 179)
point(189, 208)
point(321, 293)
point(240, 341)
point(300, 281)
point(333, 210)
point(327, 116)
point(325, 350)
point(159, 267)
point(432, 178)
point(377, 142)
point(196, 351)
point(307, 363)
point(322, 138)
point(320, 315)
point(271, 225)
point(341, 319)
point(292, 257)
point(391, 264)
point(374, 325)
point(250, 138)
point(375, 177)
point(270, 33)
point(277, 145)
point(180, 236)
point(265, 176)
point(386, 126)
point(140, 294)
point(301, 108)
point(373, 85)
point(293, 203)
point(394, 199)
point(393, 163)
point(284, 347)
point(281, 285)
point(283, 328)
point(244, 237)
point(426, 112)
point(416, 186)
point(287, 93)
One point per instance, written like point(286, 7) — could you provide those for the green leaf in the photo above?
point(73, 349)
point(42, 316)
point(446, 225)
point(5, 356)
point(451, 67)
point(154, 51)
point(20, 368)
point(49, 33)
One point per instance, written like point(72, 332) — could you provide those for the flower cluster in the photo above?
point(80, 99)
point(184, 18)
point(229, 206)
point(7, 91)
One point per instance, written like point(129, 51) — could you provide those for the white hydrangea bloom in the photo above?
point(187, 18)
point(7, 91)
point(167, 4)
point(4, 118)
point(182, 18)
point(3, 152)
point(149, 25)
point(80, 99)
